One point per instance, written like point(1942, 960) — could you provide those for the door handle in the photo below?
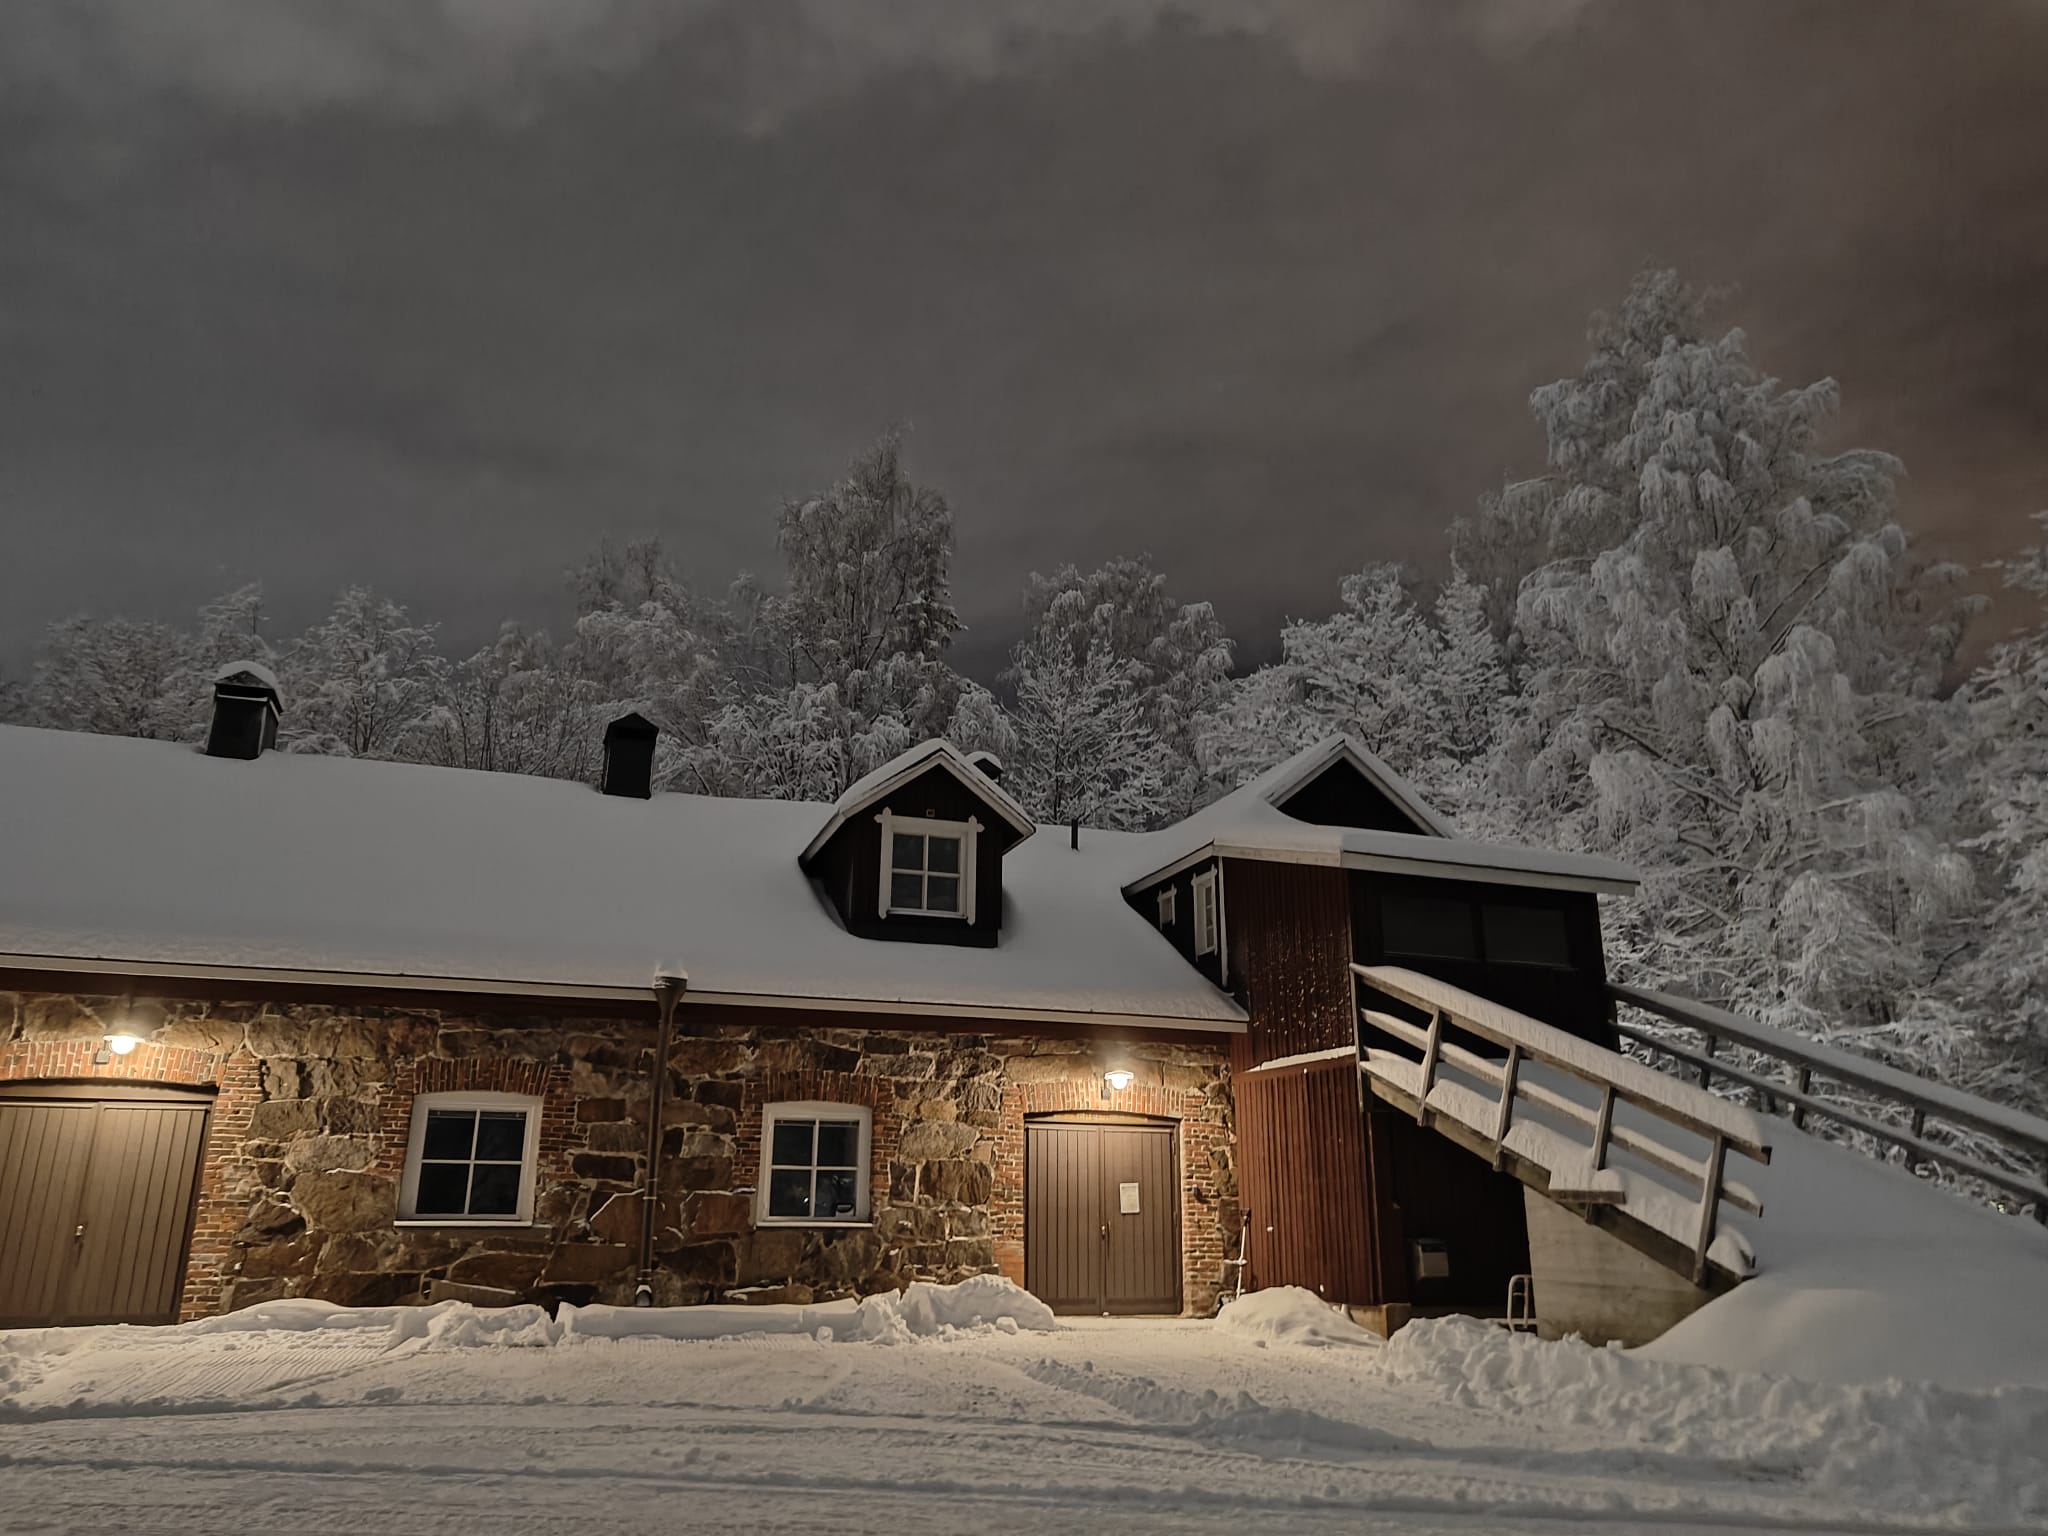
point(80, 1233)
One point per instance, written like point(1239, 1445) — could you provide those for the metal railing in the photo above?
point(2020, 1136)
point(1616, 1079)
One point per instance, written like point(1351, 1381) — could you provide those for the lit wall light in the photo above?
point(122, 1044)
point(1118, 1078)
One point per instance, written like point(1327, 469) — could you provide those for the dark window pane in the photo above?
point(838, 1143)
point(789, 1192)
point(501, 1136)
point(942, 893)
point(792, 1143)
point(494, 1190)
point(1519, 935)
point(837, 1194)
point(1439, 926)
point(443, 1191)
point(906, 891)
point(945, 855)
point(449, 1132)
point(909, 852)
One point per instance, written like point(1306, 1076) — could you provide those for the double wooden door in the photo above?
point(96, 1203)
point(1102, 1215)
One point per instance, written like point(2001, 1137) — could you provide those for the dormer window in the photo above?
point(927, 867)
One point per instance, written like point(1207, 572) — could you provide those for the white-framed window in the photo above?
point(927, 866)
point(470, 1159)
point(1208, 920)
point(1168, 907)
point(814, 1164)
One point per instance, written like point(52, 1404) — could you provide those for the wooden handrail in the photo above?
point(2013, 1130)
point(1617, 1079)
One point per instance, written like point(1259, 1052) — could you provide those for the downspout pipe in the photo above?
point(668, 991)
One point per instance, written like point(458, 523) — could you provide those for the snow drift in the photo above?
point(1290, 1314)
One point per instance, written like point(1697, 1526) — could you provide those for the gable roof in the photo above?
point(1248, 823)
point(875, 787)
point(147, 857)
point(1279, 783)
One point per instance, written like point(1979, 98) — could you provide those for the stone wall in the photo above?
point(306, 1145)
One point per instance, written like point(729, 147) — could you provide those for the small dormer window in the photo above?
point(1167, 907)
point(927, 867)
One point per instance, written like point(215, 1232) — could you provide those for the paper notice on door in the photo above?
point(1127, 1199)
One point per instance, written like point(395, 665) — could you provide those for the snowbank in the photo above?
point(1289, 1314)
point(1917, 1447)
point(1867, 1273)
point(920, 1311)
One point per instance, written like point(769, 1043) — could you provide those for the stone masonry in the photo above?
point(307, 1137)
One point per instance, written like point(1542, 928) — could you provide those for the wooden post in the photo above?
point(1603, 1128)
point(1710, 1206)
point(1919, 1122)
point(1436, 1029)
point(1706, 1076)
point(1804, 1082)
point(1505, 1113)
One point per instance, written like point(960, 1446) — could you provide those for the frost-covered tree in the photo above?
point(516, 707)
point(363, 682)
point(1715, 664)
point(1176, 655)
point(114, 677)
point(641, 642)
point(1086, 749)
point(1986, 1008)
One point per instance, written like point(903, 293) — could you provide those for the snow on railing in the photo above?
point(1540, 1066)
point(2020, 1137)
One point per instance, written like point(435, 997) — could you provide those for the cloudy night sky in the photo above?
point(432, 295)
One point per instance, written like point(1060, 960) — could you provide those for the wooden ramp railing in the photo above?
point(2020, 1138)
point(1514, 1123)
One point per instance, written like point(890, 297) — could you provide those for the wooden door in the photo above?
point(96, 1204)
point(1102, 1215)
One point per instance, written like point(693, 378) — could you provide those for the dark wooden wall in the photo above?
point(1341, 796)
point(1572, 997)
point(1290, 947)
point(1305, 1183)
point(849, 866)
point(1180, 933)
point(1426, 1186)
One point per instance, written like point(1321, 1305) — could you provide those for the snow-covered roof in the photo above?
point(1248, 823)
point(905, 766)
point(229, 671)
point(127, 855)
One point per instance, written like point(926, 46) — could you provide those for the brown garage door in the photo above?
point(95, 1204)
point(1102, 1215)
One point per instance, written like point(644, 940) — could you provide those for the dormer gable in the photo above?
point(914, 850)
point(1338, 783)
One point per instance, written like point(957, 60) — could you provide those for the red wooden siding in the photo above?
point(1302, 1175)
point(1289, 930)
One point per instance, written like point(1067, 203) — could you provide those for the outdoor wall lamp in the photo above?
point(1117, 1078)
point(118, 1043)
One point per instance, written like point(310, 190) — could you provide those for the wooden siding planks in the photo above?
point(1302, 1176)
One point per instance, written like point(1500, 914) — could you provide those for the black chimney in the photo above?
point(629, 757)
point(990, 765)
point(245, 711)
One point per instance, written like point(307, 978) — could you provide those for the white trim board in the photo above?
point(1432, 869)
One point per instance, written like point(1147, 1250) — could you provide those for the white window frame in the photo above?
point(818, 1109)
point(1208, 914)
point(1169, 907)
point(416, 1141)
point(925, 826)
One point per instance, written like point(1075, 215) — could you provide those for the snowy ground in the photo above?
point(450, 1420)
